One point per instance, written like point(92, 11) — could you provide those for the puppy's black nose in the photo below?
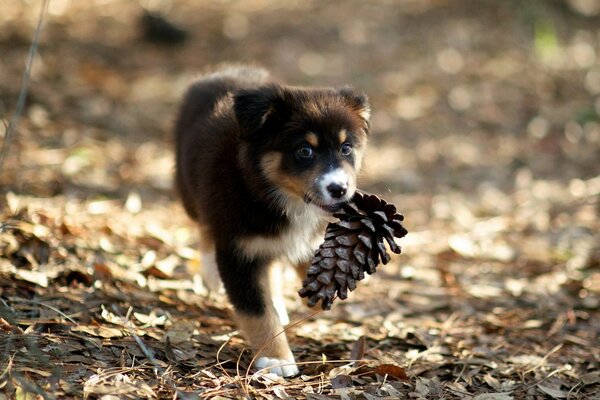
point(336, 190)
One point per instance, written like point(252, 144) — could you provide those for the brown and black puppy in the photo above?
point(260, 168)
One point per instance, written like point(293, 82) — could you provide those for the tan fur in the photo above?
point(270, 164)
point(312, 139)
point(301, 269)
point(223, 106)
point(342, 136)
point(266, 329)
point(296, 185)
point(263, 331)
point(359, 150)
point(206, 242)
point(365, 113)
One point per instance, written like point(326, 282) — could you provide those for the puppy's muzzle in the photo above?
point(334, 186)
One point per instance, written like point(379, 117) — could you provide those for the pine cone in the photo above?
point(353, 246)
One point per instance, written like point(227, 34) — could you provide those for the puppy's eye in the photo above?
point(346, 149)
point(305, 152)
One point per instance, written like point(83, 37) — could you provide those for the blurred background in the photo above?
point(485, 134)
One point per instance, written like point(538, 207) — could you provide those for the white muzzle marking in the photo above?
point(337, 177)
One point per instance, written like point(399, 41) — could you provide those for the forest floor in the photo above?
point(485, 134)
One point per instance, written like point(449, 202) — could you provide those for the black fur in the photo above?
point(241, 279)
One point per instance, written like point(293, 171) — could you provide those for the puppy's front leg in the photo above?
point(276, 277)
point(247, 285)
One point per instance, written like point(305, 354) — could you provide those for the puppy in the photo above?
point(261, 167)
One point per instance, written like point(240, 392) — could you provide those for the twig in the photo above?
point(237, 364)
point(384, 381)
point(14, 120)
point(545, 358)
point(3, 120)
point(8, 368)
point(550, 375)
point(38, 303)
point(462, 371)
point(577, 386)
point(218, 355)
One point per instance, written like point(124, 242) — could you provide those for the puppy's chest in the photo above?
point(297, 241)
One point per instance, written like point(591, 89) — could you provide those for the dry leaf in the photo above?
point(492, 382)
point(103, 272)
point(421, 386)
point(23, 394)
point(111, 317)
point(341, 381)
point(370, 396)
point(150, 320)
point(358, 349)
point(181, 331)
point(392, 371)
point(493, 396)
point(39, 278)
point(156, 272)
point(555, 393)
point(117, 384)
point(280, 392)
point(99, 331)
point(590, 378)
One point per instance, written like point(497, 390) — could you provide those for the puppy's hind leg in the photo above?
point(209, 271)
point(248, 288)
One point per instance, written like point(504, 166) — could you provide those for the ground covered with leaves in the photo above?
point(485, 135)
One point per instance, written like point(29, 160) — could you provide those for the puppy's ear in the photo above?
point(358, 102)
point(254, 108)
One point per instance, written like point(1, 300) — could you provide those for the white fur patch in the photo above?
point(279, 304)
point(276, 280)
point(337, 176)
point(297, 242)
point(284, 368)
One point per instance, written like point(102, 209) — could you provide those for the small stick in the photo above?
point(14, 120)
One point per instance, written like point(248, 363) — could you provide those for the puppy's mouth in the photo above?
point(328, 208)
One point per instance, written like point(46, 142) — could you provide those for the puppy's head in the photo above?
point(307, 144)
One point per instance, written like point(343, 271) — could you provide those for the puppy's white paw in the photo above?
point(284, 368)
